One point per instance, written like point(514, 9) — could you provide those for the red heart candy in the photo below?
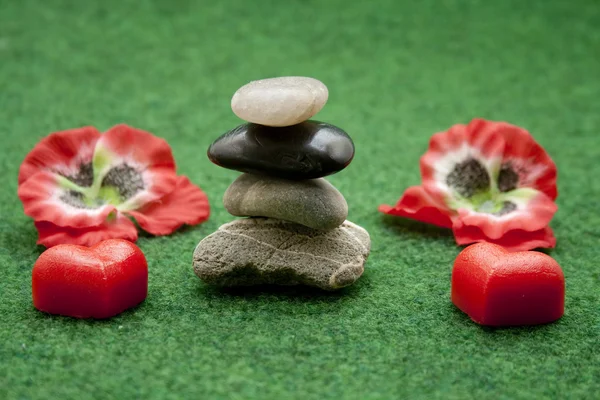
point(498, 288)
point(90, 282)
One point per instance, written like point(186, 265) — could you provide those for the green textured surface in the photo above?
point(397, 72)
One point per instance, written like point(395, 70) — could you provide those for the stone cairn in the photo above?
point(297, 232)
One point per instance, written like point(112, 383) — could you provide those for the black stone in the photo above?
point(307, 150)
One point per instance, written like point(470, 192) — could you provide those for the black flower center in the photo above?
point(469, 178)
point(127, 180)
point(84, 177)
point(77, 200)
point(508, 178)
point(119, 184)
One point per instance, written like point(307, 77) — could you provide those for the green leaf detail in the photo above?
point(70, 185)
point(520, 195)
point(491, 201)
point(101, 163)
point(110, 195)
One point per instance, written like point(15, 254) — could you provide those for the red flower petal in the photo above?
point(416, 203)
point(515, 240)
point(61, 152)
point(187, 204)
point(477, 140)
point(532, 216)
point(150, 155)
point(538, 171)
point(140, 145)
point(478, 134)
point(41, 197)
point(52, 235)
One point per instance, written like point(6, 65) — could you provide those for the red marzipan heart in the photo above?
point(90, 282)
point(498, 288)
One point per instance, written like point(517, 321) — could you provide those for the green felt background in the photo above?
point(397, 72)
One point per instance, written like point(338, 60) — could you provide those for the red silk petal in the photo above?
point(482, 134)
point(50, 234)
point(537, 214)
point(41, 194)
point(61, 151)
point(515, 240)
point(540, 170)
point(478, 134)
point(416, 203)
point(145, 148)
point(186, 205)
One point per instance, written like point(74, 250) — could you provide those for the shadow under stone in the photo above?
point(282, 292)
point(405, 226)
point(183, 230)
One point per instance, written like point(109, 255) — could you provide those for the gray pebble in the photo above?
point(315, 203)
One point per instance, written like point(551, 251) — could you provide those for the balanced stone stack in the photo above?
point(297, 232)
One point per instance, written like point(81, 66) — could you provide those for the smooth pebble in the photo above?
point(308, 150)
point(282, 101)
point(315, 203)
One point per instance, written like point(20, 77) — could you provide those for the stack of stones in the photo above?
point(297, 232)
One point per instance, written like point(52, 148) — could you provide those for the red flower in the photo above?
point(489, 182)
point(79, 186)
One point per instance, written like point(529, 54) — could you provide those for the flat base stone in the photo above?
point(256, 251)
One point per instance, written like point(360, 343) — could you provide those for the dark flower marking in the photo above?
point(75, 199)
point(84, 177)
point(507, 207)
point(126, 179)
point(508, 178)
point(469, 178)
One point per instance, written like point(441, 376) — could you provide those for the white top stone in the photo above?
point(283, 101)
